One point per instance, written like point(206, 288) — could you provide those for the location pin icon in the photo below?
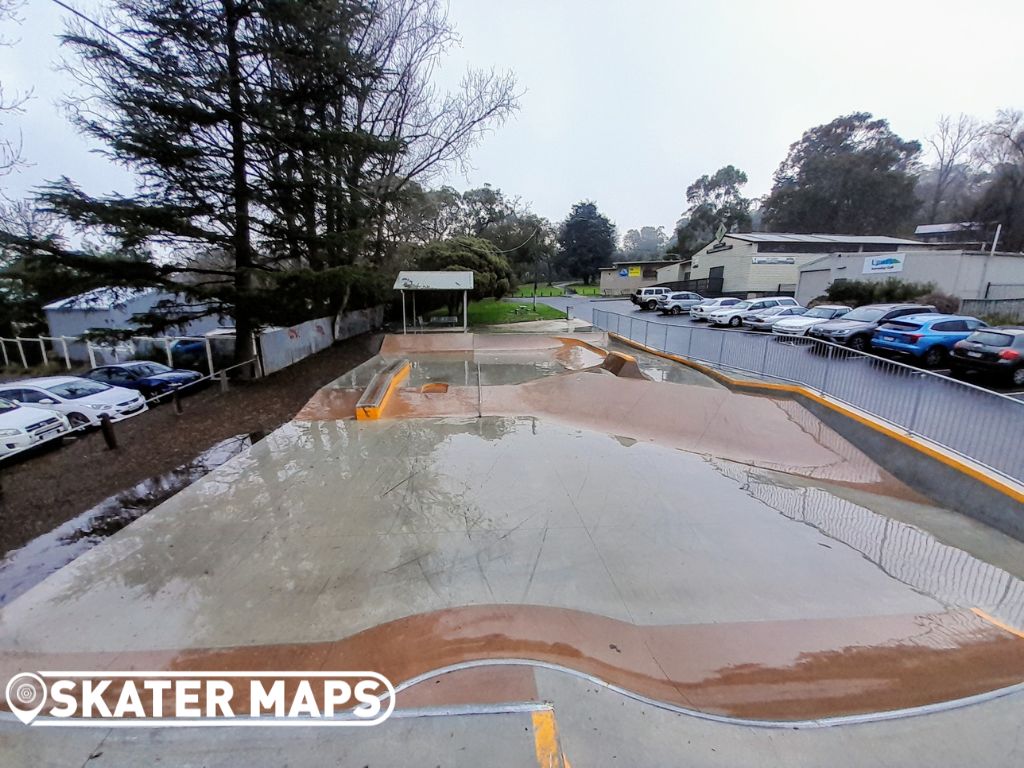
point(26, 695)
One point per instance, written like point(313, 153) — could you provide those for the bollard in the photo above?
point(107, 427)
point(223, 381)
point(177, 403)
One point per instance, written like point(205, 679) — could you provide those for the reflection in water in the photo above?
point(23, 568)
point(902, 551)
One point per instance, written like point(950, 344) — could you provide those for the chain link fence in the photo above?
point(975, 423)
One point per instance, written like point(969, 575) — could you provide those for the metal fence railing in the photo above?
point(975, 423)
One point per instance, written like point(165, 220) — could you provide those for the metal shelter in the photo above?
point(434, 281)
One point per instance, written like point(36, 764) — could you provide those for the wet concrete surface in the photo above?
point(25, 567)
point(615, 534)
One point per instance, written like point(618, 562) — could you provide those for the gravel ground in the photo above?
point(41, 491)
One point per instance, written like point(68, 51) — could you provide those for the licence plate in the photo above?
point(974, 354)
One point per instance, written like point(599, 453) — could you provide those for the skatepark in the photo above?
point(561, 550)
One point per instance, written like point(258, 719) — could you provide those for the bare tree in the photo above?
point(953, 143)
point(10, 149)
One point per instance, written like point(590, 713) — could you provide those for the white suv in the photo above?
point(701, 311)
point(733, 316)
point(647, 298)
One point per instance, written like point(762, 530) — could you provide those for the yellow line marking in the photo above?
point(949, 461)
point(996, 622)
point(376, 411)
point(545, 739)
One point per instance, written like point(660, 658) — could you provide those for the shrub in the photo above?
point(943, 302)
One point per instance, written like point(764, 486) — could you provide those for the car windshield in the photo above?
point(772, 311)
point(992, 338)
point(821, 312)
point(73, 390)
point(149, 369)
point(7, 405)
point(899, 325)
point(864, 314)
point(741, 305)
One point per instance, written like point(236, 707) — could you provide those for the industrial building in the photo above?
point(964, 274)
point(624, 277)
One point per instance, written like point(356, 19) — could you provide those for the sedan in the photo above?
point(82, 401)
point(151, 379)
point(23, 427)
point(703, 309)
point(927, 339)
point(766, 319)
point(798, 326)
point(733, 316)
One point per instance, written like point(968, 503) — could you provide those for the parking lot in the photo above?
point(582, 308)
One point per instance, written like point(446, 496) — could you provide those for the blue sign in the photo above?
point(623, 272)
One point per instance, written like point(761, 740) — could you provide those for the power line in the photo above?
point(99, 26)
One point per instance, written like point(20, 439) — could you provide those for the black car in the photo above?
point(855, 328)
point(993, 350)
point(149, 378)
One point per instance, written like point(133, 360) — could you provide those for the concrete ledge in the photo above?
point(382, 386)
point(950, 480)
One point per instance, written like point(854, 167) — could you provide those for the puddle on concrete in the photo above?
point(23, 568)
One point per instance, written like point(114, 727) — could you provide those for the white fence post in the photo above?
point(167, 348)
point(3, 347)
point(21, 351)
point(209, 355)
point(92, 354)
point(67, 354)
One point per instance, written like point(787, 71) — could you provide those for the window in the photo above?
point(73, 390)
point(30, 396)
point(147, 369)
point(101, 374)
point(950, 326)
point(991, 338)
point(788, 301)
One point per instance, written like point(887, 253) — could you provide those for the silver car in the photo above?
point(677, 303)
point(766, 318)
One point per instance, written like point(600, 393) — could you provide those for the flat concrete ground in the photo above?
point(630, 579)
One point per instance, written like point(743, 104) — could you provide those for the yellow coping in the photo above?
point(996, 622)
point(364, 412)
point(950, 461)
point(545, 739)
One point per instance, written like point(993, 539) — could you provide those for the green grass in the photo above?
point(525, 291)
point(492, 312)
point(585, 290)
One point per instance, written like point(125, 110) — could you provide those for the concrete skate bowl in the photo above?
point(786, 674)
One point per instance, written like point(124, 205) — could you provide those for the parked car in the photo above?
point(927, 339)
point(149, 378)
point(677, 303)
point(998, 351)
point(23, 427)
point(765, 319)
point(701, 310)
point(82, 401)
point(733, 315)
point(855, 328)
point(798, 326)
point(647, 298)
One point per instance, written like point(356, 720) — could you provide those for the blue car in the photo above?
point(151, 379)
point(926, 338)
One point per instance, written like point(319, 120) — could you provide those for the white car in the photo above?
point(734, 315)
point(797, 326)
point(82, 401)
point(701, 311)
point(677, 303)
point(22, 427)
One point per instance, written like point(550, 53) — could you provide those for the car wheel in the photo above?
point(78, 421)
point(858, 343)
point(676, 311)
point(652, 304)
point(735, 322)
point(935, 357)
point(1017, 377)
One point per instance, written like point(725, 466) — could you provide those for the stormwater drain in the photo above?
point(23, 568)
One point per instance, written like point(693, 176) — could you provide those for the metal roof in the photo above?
point(434, 281)
point(937, 229)
point(787, 237)
point(101, 298)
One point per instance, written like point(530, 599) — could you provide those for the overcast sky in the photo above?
point(626, 103)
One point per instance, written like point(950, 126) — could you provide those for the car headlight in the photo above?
point(844, 332)
point(9, 432)
point(99, 407)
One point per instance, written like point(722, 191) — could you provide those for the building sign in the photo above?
point(634, 271)
point(889, 262)
point(623, 272)
point(773, 260)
